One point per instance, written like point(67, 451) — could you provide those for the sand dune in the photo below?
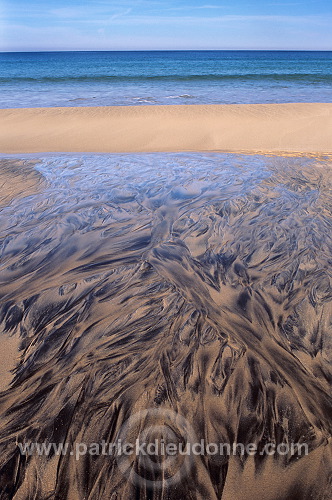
point(247, 128)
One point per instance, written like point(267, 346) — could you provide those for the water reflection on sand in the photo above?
point(193, 283)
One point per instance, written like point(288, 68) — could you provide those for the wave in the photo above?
point(308, 78)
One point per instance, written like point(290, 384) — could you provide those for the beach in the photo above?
point(291, 128)
point(166, 297)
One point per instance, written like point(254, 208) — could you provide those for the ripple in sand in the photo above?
point(186, 285)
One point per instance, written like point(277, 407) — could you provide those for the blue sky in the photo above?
point(159, 24)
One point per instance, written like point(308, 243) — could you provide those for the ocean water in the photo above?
point(163, 77)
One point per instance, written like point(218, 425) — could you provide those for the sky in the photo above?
point(33, 25)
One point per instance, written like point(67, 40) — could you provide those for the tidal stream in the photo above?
point(186, 290)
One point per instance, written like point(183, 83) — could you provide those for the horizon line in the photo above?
point(163, 50)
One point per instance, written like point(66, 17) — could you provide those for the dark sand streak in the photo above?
point(194, 283)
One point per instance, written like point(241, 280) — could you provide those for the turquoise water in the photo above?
point(163, 77)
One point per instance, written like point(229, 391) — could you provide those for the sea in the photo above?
point(42, 79)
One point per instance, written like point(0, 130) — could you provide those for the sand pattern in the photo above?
point(194, 286)
point(18, 179)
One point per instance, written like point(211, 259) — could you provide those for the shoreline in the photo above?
point(243, 128)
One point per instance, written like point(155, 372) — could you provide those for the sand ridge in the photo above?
point(286, 128)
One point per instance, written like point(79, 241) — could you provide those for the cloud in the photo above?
point(120, 14)
point(199, 7)
point(284, 4)
point(125, 24)
point(90, 11)
point(141, 20)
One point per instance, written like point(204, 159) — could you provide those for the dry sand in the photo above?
point(250, 128)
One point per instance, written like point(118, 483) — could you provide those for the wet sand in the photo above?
point(18, 179)
point(246, 127)
point(195, 288)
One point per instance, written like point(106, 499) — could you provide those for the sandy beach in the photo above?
point(180, 296)
point(290, 128)
point(145, 295)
